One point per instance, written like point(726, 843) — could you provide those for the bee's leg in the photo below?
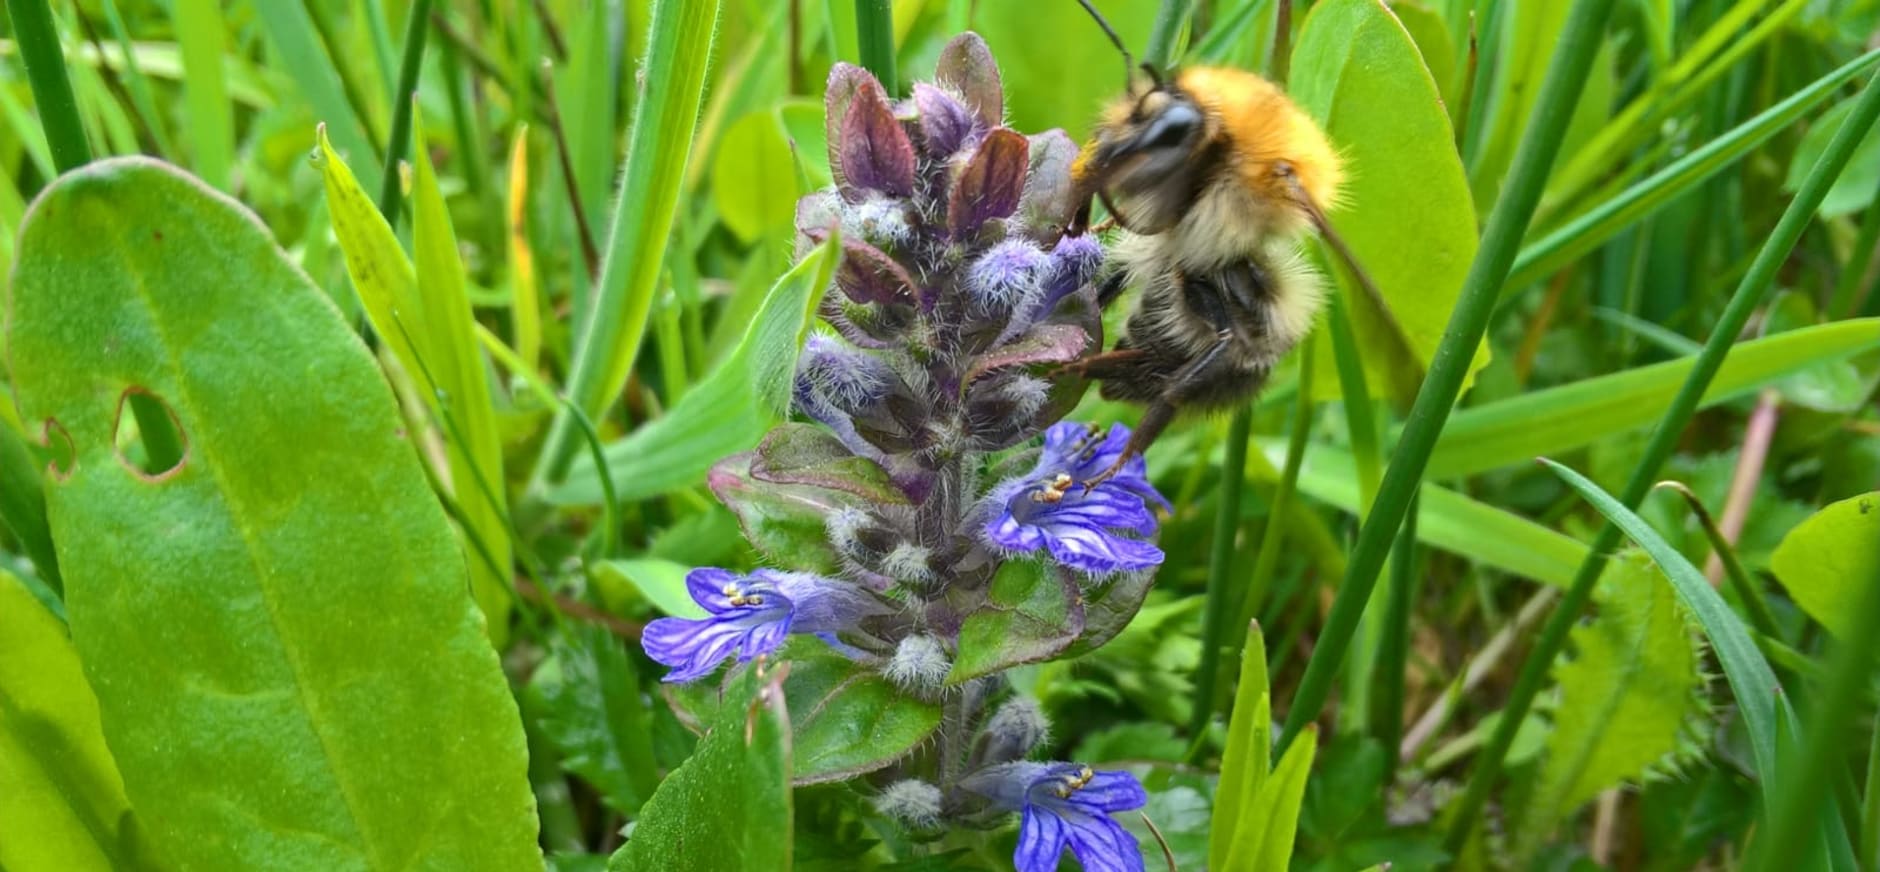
point(1108, 364)
point(1192, 376)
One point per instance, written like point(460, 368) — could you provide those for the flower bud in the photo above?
point(1012, 733)
point(919, 664)
point(912, 803)
point(879, 221)
point(1007, 278)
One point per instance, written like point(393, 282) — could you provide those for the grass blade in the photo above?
point(1220, 569)
point(1748, 295)
point(291, 33)
point(38, 41)
point(874, 26)
point(1599, 224)
point(199, 32)
point(657, 150)
point(1245, 763)
point(397, 145)
point(1506, 224)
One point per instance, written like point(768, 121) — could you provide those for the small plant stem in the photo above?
point(564, 156)
point(1566, 76)
point(398, 144)
point(38, 43)
point(1757, 435)
point(1748, 295)
point(874, 27)
point(1253, 598)
point(1169, 21)
point(1220, 568)
point(1393, 647)
point(1760, 618)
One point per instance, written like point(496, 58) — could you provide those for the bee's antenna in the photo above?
point(1129, 63)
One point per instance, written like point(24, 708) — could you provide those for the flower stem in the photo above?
point(38, 42)
point(874, 27)
point(1393, 649)
point(1220, 566)
point(1748, 295)
point(399, 143)
point(1566, 76)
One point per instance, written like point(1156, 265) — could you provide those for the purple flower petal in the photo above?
point(1113, 791)
point(945, 123)
point(990, 184)
point(1041, 838)
point(875, 154)
point(1102, 845)
point(966, 68)
point(1098, 553)
point(706, 585)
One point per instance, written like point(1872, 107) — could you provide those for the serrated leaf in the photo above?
point(593, 713)
point(726, 412)
point(278, 629)
point(1629, 688)
point(1827, 561)
point(728, 806)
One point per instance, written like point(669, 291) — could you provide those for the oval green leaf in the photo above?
point(1828, 561)
point(1360, 74)
point(278, 629)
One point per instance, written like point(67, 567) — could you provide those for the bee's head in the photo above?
point(1150, 154)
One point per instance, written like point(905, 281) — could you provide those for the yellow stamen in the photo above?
point(1053, 492)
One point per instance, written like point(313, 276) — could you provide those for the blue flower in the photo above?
point(1063, 804)
point(750, 615)
point(1083, 528)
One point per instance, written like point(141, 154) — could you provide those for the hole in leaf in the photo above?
point(149, 440)
point(60, 452)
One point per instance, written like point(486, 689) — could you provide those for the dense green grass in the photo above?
point(1636, 238)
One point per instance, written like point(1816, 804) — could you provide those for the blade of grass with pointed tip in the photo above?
point(658, 147)
point(1245, 762)
point(1605, 220)
point(1744, 300)
point(1553, 420)
point(462, 389)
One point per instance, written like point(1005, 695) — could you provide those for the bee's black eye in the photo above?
point(1172, 127)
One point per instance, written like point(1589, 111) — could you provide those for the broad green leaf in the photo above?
point(594, 714)
point(754, 177)
point(1448, 520)
point(1040, 90)
point(62, 804)
point(725, 413)
point(660, 582)
point(1751, 679)
point(1630, 687)
point(1269, 826)
point(1829, 561)
point(728, 806)
point(423, 314)
point(1554, 420)
point(278, 629)
point(809, 136)
point(1032, 611)
point(460, 387)
point(850, 720)
point(1358, 72)
point(1245, 762)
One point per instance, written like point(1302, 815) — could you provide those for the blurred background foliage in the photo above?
point(1699, 120)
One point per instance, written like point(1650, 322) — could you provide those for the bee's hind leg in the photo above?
point(1193, 377)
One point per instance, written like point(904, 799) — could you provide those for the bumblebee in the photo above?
point(1216, 180)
